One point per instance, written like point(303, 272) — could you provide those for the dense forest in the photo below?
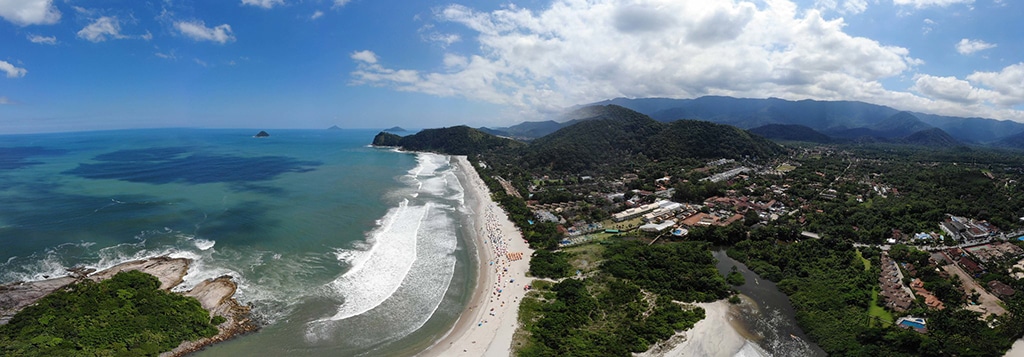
point(456, 140)
point(127, 315)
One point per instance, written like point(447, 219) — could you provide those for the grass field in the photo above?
point(585, 258)
point(785, 168)
point(875, 310)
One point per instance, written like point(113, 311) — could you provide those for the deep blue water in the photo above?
point(295, 218)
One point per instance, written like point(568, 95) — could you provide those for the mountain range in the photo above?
point(600, 138)
point(838, 120)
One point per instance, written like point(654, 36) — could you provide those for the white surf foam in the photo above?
point(204, 244)
point(379, 271)
point(397, 284)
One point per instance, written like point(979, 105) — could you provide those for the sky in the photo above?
point(73, 65)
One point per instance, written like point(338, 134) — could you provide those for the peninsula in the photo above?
point(213, 295)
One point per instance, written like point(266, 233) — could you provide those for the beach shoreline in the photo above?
point(486, 325)
point(717, 334)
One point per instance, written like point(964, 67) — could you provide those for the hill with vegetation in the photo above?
point(1012, 141)
point(792, 132)
point(616, 137)
point(601, 137)
point(822, 116)
point(899, 125)
point(933, 137)
point(127, 315)
point(456, 140)
point(526, 130)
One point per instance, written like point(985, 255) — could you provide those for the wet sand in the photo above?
point(486, 327)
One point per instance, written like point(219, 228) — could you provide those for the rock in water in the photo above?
point(261, 134)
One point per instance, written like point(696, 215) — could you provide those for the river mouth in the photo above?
point(766, 317)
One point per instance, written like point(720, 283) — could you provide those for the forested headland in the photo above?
point(127, 315)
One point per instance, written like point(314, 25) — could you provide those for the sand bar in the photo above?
point(486, 327)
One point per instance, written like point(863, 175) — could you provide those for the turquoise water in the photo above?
point(340, 248)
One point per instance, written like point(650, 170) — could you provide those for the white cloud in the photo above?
point(46, 40)
point(5, 101)
point(991, 94)
point(167, 56)
point(365, 56)
point(445, 39)
point(266, 4)
point(11, 70)
point(851, 7)
point(576, 52)
point(101, 29)
point(966, 46)
point(929, 25)
point(29, 12)
point(1008, 84)
point(340, 3)
point(455, 61)
point(929, 3)
point(198, 31)
point(949, 89)
point(316, 15)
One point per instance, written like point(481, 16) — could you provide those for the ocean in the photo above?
point(340, 248)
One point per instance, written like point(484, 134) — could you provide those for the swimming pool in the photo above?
point(913, 324)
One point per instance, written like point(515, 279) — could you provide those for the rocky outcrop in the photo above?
point(216, 296)
point(261, 134)
point(18, 295)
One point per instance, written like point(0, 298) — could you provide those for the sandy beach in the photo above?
point(1017, 350)
point(715, 335)
point(486, 327)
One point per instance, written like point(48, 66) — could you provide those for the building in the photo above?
point(929, 299)
point(634, 212)
point(999, 288)
point(652, 227)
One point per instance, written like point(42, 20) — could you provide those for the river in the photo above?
point(767, 314)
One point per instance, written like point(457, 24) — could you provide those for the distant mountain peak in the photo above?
point(899, 125)
point(790, 132)
point(933, 137)
point(848, 119)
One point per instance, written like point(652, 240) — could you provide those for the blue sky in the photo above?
point(68, 65)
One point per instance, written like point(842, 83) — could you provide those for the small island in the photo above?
point(261, 134)
point(395, 129)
